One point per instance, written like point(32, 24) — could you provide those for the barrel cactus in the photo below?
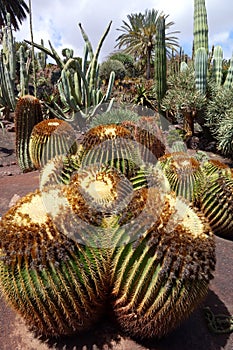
point(161, 277)
point(28, 113)
point(101, 234)
point(49, 138)
point(216, 198)
point(184, 174)
point(49, 279)
point(113, 145)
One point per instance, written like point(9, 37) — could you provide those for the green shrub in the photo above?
point(112, 65)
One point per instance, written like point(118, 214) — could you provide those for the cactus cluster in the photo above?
point(104, 234)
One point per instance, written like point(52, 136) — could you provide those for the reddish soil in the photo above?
point(193, 334)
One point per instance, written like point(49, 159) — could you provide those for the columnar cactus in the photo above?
point(28, 113)
point(217, 65)
point(8, 67)
point(160, 60)
point(200, 30)
point(49, 138)
point(201, 61)
point(229, 78)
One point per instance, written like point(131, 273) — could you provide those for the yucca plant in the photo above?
point(48, 278)
point(184, 174)
point(216, 198)
point(49, 138)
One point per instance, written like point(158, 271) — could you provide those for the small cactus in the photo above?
point(28, 113)
point(49, 138)
point(184, 174)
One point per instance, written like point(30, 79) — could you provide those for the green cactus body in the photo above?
point(149, 136)
point(216, 198)
point(217, 65)
point(200, 30)
point(111, 145)
point(156, 279)
point(228, 84)
point(201, 61)
point(184, 174)
point(49, 138)
point(178, 146)
point(183, 66)
point(8, 67)
point(28, 113)
point(160, 60)
point(46, 277)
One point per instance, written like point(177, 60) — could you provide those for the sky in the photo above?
point(58, 20)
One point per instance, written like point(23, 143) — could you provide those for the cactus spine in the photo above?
point(28, 113)
point(200, 29)
point(217, 65)
point(201, 61)
point(160, 61)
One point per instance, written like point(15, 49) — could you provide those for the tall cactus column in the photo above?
point(200, 30)
point(28, 113)
point(160, 61)
point(201, 61)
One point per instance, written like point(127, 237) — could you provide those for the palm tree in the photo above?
point(17, 9)
point(138, 36)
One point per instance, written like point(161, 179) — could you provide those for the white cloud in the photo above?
point(58, 20)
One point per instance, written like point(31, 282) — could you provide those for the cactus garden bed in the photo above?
point(192, 334)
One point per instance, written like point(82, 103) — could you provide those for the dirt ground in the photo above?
point(193, 334)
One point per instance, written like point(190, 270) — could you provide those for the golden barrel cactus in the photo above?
point(49, 138)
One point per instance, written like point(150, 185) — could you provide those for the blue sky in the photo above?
point(58, 20)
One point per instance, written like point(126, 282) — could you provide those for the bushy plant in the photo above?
point(181, 95)
point(112, 65)
point(115, 116)
point(127, 61)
